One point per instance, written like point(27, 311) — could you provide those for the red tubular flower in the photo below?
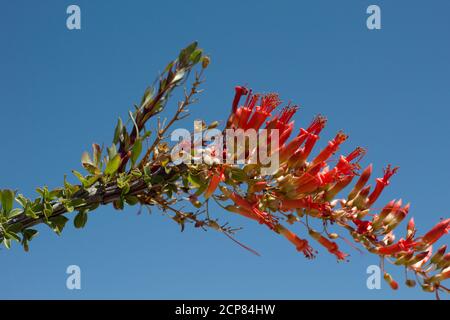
point(258, 186)
point(310, 186)
point(268, 103)
point(242, 211)
point(285, 134)
point(361, 199)
point(247, 109)
point(289, 204)
point(420, 259)
point(263, 217)
point(330, 149)
point(240, 91)
point(285, 116)
point(331, 246)
point(381, 183)
point(309, 178)
point(444, 275)
point(300, 156)
point(436, 232)
point(288, 150)
point(396, 218)
point(358, 153)
point(214, 183)
point(300, 244)
point(317, 125)
point(361, 182)
point(439, 254)
point(362, 226)
point(401, 246)
point(391, 206)
point(410, 229)
point(313, 130)
point(340, 185)
point(303, 203)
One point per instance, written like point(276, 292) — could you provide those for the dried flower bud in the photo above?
point(205, 62)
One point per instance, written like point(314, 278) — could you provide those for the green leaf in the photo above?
point(80, 219)
point(148, 95)
point(48, 210)
point(23, 201)
point(118, 131)
point(131, 200)
point(7, 243)
point(7, 200)
point(113, 165)
point(136, 151)
point(30, 233)
point(80, 177)
point(30, 212)
point(196, 56)
point(11, 235)
point(112, 151)
point(14, 213)
point(238, 174)
point(57, 223)
point(55, 193)
point(195, 180)
point(27, 235)
point(186, 52)
point(91, 180)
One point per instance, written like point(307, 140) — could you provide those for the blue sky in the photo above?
point(61, 90)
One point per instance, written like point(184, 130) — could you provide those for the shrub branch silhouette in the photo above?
point(302, 190)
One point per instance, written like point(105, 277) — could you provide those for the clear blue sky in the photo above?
point(61, 90)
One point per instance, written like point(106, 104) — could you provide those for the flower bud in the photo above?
point(213, 125)
point(404, 258)
point(361, 199)
point(361, 182)
point(437, 257)
point(417, 258)
point(205, 62)
point(427, 288)
point(377, 223)
point(410, 229)
point(444, 275)
point(410, 283)
point(331, 193)
point(445, 261)
point(392, 283)
point(436, 232)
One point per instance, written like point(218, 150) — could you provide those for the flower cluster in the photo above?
point(307, 186)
